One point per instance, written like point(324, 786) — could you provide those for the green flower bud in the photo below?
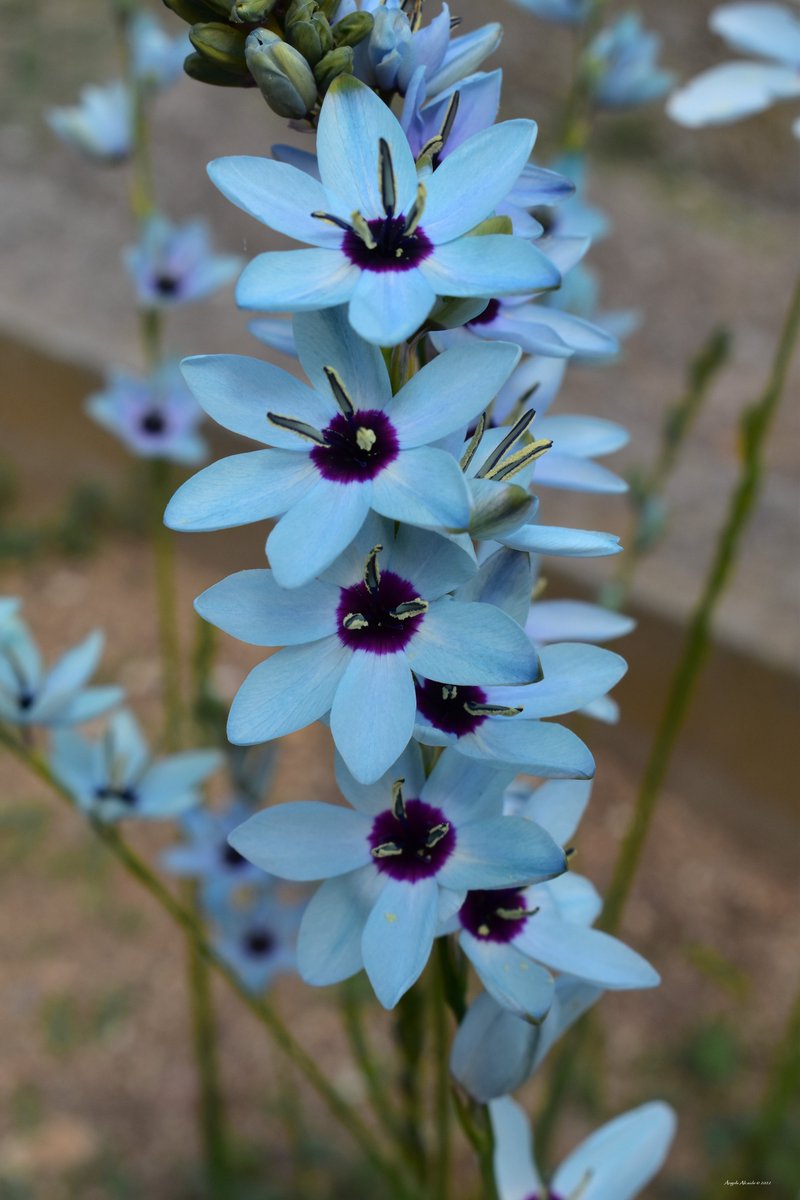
point(250, 12)
point(329, 7)
point(353, 29)
point(283, 75)
point(221, 45)
point(193, 12)
point(312, 38)
point(335, 63)
point(205, 71)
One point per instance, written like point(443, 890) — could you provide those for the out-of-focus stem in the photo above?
point(754, 428)
point(261, 1009)
point(370, 1069)
point(576, 119)
point(442, 1102)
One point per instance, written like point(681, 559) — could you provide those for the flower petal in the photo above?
point(490, 265)
point(372, 717)
point(295, 280)
point(586, 953)
point(514, 1169)
point(492, 1055)
point(304, 840)
point(277, 194)
point(423, 487)
point(329, 942)
point(326, 339)
point(538, 747)
point(731, 91)
point(241, 489)
point(388, 306)
point(574, 674)
point(501, 852)
point(563, 542)
point(518, 984)
point(471, 644)
point(316, 530)
point(398, 937)
point(287, 692)
point(575, 621)
point(558, 806)
point(621, 1157)
point(250, 606)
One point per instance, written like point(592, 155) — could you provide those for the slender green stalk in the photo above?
point(442, 1102)
point(261, 1009)
point(410, 1031)
point(166, 605)
point(576, 118)
point(754, 428)
point(371, 1070)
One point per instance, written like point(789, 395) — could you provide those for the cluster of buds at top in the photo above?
point(290, 51)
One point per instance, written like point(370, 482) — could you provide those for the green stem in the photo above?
point(166, 603)
point(410, 1030)
point(442, 1103)
point(576, 118)
point(261, 1009)
point(372, 1071)
point(754, 428)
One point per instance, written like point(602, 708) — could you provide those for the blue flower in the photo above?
point(395, 865)
point(258, 940)
point(206, 854)
point(11, 624)
point(509, 934)
point(355, 640)
point(614, 1163)
point(154, 416)
point(31, 695)
point(738, 89)
point(114, 777)
point(174, 264)
point(494, 1051)
point(622, 65)
point(343, 449)
point(563, 12)
point(577, 441)
point(385, 243)
point(101, 125)
point(157, 56)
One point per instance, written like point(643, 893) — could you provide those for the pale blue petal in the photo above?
point(473, 179)
point(376, 797)
point(295, 280)
point(278, 195)
point(70, 673)
point(304, 160)
point(388, 306)
point(329, 942)
point(73, 761)
point(423, 487)
point(505, 579)
point(466, 791)
point(563, 542)
point(768, 30)
point(128, 742)
point(241, 489)
point(287, 692)
point(621, 1157)
point(464, 55)
point(469, 376)
point(171, 783)
point(351, 124)
point(514, 1168)
point(349, 566)
point(86, 705)
point(538, 747)
point(316, 530)
point(491, 1055)
point(548, 331)
point(326, 339)
point(575, 899)
point(587, 437)
point(372, 717)
point(544, 374)
point(252, 607)
point(489, 265)
point(577, 475)
point(586, 953)
point(434, 564)
point(515, 982)
point(575, 621)
point(398, 937)
point(730, 91)
point(304, 840)
point(275, 332)
point(573, 675)
point(558, 806)
point(501, 852)
point(472, 644)
point(237, 392)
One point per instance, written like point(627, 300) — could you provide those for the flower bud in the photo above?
point(221, 45)
point(205, 71)
point(307, 29)
point(335, 63)
point(193, 12)
point(283, 75)
point(353, 29)
point(249, 12)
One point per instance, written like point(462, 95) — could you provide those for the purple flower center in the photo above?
point(394, 250)
point(153, 422)
point(445, 706)
point(165, 285)
point(357, 447)
point(488, 314)
point(494, 916)
point(412, 843)
point(124, 795)
point(367, 617)
point(259, 942)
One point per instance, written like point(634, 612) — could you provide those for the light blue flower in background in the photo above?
point(100, 125)
point(356, 638)
point(396, 864)
point(347, 447)
point(613, 1163)
point(563, 12)
point(114, 776)
point(577, 441)
point(32, 695)
point(206, 854)
point(495, 1051)
point(154, 416)
point(738, 89)
point(384, 243)
point(11, 624)
point(157, 56)
point(621, 63)
point(175, 264)
point(258, 940)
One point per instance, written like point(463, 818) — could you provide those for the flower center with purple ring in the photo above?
point(165, 285)
point(381, 633)
point(358, 447)
point(414, 844)
point(543, 1196)
point(445, 706)
point(488, 314)
point(259, 942)
point(480, 914)
point(395, 250)
point(153, 422)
